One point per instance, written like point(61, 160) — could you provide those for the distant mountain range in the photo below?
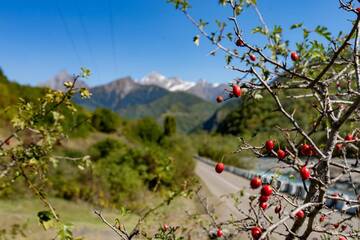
point(202, 88)
point(153, 95)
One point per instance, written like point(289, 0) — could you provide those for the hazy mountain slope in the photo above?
point(212, 123)
point(120, 94)
point(207, 91)
point(189, 110)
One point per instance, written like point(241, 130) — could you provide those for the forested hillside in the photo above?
point(142, 154)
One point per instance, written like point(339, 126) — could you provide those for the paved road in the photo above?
point(220, 186)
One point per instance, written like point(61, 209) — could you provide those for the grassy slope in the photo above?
point(85, 222)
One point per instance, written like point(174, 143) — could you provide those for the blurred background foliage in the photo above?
point(145, 154)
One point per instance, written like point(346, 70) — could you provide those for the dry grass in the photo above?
point(85, 222)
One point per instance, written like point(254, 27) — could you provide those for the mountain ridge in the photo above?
point(201, 88)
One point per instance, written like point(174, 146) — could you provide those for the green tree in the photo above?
point(169, 126)
point(148, 130)
point(105, 120)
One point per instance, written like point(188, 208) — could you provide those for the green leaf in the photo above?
point(323, 31)
point(196, 40)
point(85, 93)
point(258, 96)
point(65, 232)
point(306, 33)
point(202, 24)
point(222, 2)
point(253, 2)
point(238, 10)
point(297, 25)
point(228, 59)
point(180, 4)
point(85, 72)
point(68, 84)
point(260, 30)
point(46, 219)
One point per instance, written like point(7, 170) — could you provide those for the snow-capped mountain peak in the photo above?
point(171, 83)
point(201, 88)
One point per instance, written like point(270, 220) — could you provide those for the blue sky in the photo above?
point(116, 38)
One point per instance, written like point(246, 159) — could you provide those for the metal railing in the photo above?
point(286, 185)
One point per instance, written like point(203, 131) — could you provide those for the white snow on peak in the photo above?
point(171, 83)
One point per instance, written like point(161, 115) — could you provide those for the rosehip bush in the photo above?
point(320, 69)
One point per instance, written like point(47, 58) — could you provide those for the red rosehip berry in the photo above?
point(294, 56)
point(305, 173)
point(300, 214)
point(266, 190)
point(338, 147)
point(256, 232)
point(342, 238)
point(336, 225)
point(219, 168)
point(252, 57)
point(269, 145)
point(263, 205)
point(263, 198)
point(219, 99)
point(322, 218)
point(343, 227)
point(255, 182)
point(236, 90)
point(358, 10)
point(281, 154)
point(349, 137)
point(219, 233)
point(239, 43)
point(306, 150)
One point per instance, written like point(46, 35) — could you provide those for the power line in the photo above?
point(68, 33)
point(112, 35)
point(87, 38)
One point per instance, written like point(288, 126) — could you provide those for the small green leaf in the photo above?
point(202, 24)
point(228, 59)
point(323, 31)
point(229, 36)
point(85, 93)
point(238, 10)
point(260, 30)
point(68, 84)
point(196, 40)
point(46, 219)
point(222, 2)
point(258, 96)
point(253, 2)
point(297, 25)
point(85, 72)
point(306, 33)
